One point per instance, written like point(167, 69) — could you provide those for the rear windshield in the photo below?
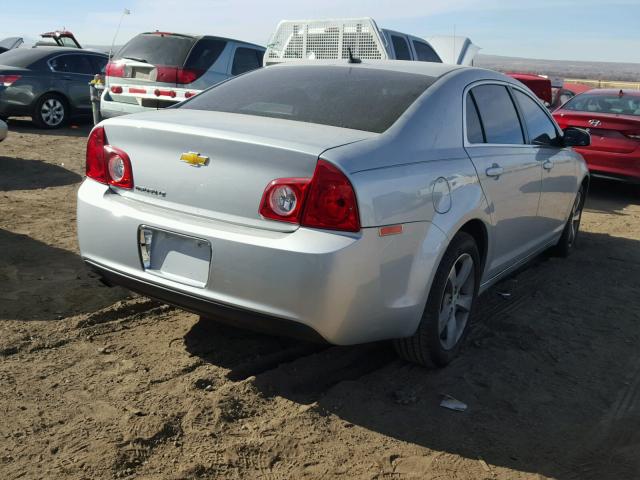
point(22, 57)
point(359, 98)
point(158, 49)
point(615, 104)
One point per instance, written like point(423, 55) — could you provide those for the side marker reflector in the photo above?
point(390, 230)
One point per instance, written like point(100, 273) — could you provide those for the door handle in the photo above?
point(494, 170)
point(547, 165)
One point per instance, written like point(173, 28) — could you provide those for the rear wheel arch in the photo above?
point(478, 230)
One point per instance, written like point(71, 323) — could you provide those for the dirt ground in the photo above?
point(96, 383)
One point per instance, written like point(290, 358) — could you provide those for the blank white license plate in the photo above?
point(174, 256)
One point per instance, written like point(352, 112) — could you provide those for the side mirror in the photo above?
point(576, 137)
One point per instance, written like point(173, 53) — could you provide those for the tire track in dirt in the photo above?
point(617, 435)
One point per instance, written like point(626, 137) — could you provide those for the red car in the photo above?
point(613, 119)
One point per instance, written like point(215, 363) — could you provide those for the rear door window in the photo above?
point(540, 128)
point(498, 115)
point(401, 47)
point(245, 60)
point(205, 53)
point(158, 49)
point(425, 53)
point(72, 64)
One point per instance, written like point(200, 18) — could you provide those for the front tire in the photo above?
point(447, 315)
point(51, 111)
point(570, 233)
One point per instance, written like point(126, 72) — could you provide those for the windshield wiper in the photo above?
point(136, 59)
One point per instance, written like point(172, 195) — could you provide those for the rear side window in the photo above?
point(205, 53)
point(475, 133)
point(72, 64)
point(98, 63)
point(245, 60)
point(498, 115)
point(540, 127)
point(425, 53)
point(401, 47)
point(158, 49)
point(359, 98)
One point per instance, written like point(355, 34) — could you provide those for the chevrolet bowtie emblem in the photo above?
point(194, 159)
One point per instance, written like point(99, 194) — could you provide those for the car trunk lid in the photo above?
point(238, 156)
point(609, 132)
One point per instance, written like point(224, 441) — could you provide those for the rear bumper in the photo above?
point(206, 307)
point(348, 289)
point(622, 166)
point(110, 108)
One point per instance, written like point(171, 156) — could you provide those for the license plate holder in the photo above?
point(174, 256)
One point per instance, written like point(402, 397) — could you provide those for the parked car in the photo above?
point(538, 84)
point(159, 69)
point(3, 130)
point(60, 38)
point(50, 84)
point(352, 202)
point(566, 92)
point(333, 39)
point(613, 118)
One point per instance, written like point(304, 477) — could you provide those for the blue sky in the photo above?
point(549, 29)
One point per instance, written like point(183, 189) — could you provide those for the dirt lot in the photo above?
point(97, 383)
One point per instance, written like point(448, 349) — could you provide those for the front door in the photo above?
point(509, 173)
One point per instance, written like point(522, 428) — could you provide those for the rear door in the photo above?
point(509, 173)
point(558, 167)
point(72, 73)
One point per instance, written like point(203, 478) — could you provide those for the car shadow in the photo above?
point(41, 282)
point(25, 174)
point(76, 128)
point(608, 196)
point(550, 373)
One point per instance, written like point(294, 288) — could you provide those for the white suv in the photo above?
point(159, 69)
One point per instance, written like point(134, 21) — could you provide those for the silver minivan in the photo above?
point(159, 69)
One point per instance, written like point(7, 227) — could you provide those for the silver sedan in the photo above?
point(349, 202)
point(3, 130)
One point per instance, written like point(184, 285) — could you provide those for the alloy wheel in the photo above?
point(52, 112)
point(457, 299)
point(576, 215)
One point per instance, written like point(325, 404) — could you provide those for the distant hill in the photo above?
point(626, 72)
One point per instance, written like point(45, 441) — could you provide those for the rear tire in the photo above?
point(51, 111)
point(447, 315)
point(570, 233)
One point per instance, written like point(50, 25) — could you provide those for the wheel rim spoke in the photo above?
point(52, 112)
point(457, 300)
point(464, 302)
point(466, 265)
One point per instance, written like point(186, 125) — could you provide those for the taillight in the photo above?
point(114, 70)
point(188, 75)
point(8, 80)
point(116, 89)
point(331, 201)
point(106, 163)
point(283, 199)
point(327, 200)
point(95, 165)
point(177, 75)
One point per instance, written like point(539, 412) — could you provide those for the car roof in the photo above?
point(198, 37)
point(430, 69)
point(46, 50)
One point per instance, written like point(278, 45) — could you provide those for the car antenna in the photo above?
point(352, 59)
